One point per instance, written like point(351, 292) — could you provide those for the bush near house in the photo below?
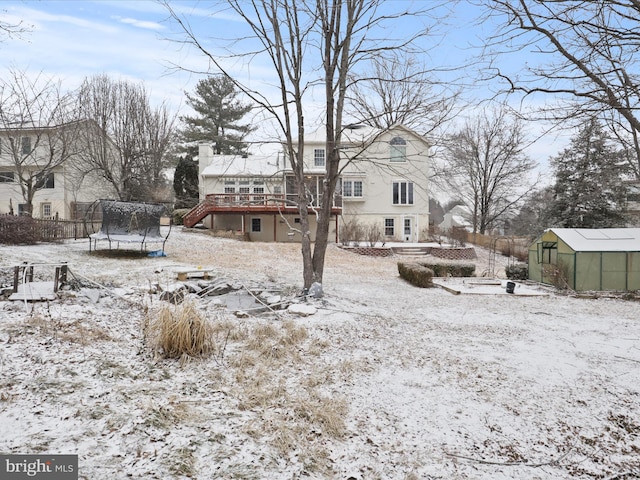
point(18, 230)
point(416, 274)
point(178, 215)
point(517, 272)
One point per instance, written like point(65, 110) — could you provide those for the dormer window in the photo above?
point(398, 151)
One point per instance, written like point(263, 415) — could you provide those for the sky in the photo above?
point(136, 40)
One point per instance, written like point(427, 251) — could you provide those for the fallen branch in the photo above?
point(511, 464)
point(626, 358)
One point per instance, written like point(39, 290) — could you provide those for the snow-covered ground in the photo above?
point(385, 381)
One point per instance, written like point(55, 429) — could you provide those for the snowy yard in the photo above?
point(385, 381)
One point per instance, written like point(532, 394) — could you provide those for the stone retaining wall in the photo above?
point(370, 251)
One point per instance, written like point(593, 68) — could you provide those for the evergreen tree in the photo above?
point(218, 112)
point(185, 182)
point(588, 192)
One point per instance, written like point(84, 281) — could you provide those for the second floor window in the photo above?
point(318, 157)
point(46, 182)
point(6, 177)
point(26, 145)
point(398, 151)
point(403, 193)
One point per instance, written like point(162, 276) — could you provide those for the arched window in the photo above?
point(398, 149)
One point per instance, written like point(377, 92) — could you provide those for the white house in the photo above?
point(384, 182)
point(64, 191)
point(457, 217)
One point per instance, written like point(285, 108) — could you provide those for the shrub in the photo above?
point(352, 232)
point(451, 269)
point(416, 274)
point(373, 234)
point(178, 215)
point(519, 271)
point(18, 230)
point(181, 330)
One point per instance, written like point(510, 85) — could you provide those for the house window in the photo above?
point(318, 157)
point(352, 188)
point(389, 227)
point(45, 209)
point(46, 182)
point(6, 177)
point(277, 190)
point(398, 152)
point(229, 189)
point(403, 193)
point(26, 145)
point(256, 225)
point(243, 190)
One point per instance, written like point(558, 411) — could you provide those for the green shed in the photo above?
point(587, 259)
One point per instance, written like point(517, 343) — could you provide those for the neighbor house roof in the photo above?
point(239, 166)
point(600, 239)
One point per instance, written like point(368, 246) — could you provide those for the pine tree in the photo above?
point(218, 112)
point(588, 191)
point(185, 182)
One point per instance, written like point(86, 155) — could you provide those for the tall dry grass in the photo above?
point(180, 330)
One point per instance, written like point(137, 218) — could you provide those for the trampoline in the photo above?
point(126, 222)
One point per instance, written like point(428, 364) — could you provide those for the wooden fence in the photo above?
point(43, 230)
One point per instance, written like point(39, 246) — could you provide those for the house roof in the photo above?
point(239, 166)
point(600, 239)
point(357, 134)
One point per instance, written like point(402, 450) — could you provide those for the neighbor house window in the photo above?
point(403, 193)
point(389, 227)
point(26, 145)
point(352, 188)
point(6, 177)
point(256, 225)
point(46, 182)
point(46, 210)
point(229, 189)
point(398, 151)
point(318, 157)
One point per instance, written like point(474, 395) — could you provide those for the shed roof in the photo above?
point(600, 239)
point(237, 166)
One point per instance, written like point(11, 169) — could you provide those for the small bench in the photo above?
point(193, 273)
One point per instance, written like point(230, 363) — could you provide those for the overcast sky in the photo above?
point(70, 40)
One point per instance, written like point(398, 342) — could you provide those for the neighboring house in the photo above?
point(587, 259)
point(457, 217)
point(633, 202)
point(65, 192)
point(384, 183)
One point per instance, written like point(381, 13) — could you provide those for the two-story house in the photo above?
point(383, 182)
point(47, 160)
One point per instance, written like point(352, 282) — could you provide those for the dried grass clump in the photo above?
point(180, 330)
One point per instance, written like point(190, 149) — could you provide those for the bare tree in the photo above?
point(310, 43)
point(485, 166)
point(132, 139)
point(590, 56)
point(398, 90)
point(38, 131)
point(12, 29)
